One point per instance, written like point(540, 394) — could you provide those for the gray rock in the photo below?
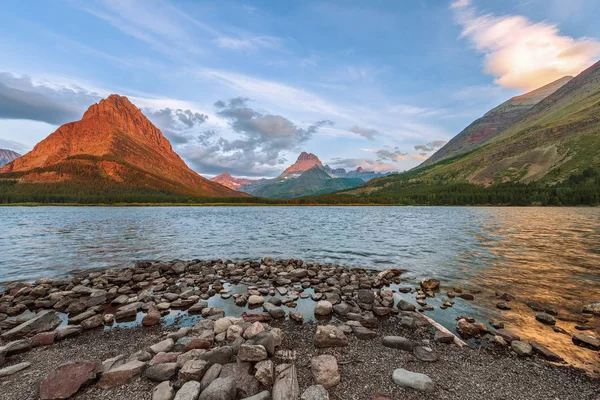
point(363, 333)
point(545, 318)
point(522, 349)
point(426, 354)
point(265, 372)
point(265, 395)
point(121, 375)
point(316, 392)
point(164, 346)
point(407, 322)
point(67, 332)
point(15, 347)
point(412, 380)
point(163, 391)
point(194, 370)
point(249, 352)
point(113, 362)
point(286, 384)
point(273, 310)
point(189, 391)
point(325, 370)
point(220, 389)
point(330, 336)
point(398, 342)
point(366, 296)
point(161, 372)
point(13, 369)
point(323, 308)
point(222, 355)
point(265, 339)
point(588, 341)
point(43, 321)
point(443, 337)
point(210, 375)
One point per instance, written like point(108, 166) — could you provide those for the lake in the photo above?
point(547, 255)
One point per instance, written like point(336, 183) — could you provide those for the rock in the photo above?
point(286, 384)
point(67, 332)
point(467, 329)
point(274, 311)
point(163, 391)
point(43, 321)
point(161, 372)
point(140, 355)
point(264, 395)
point(412, 380)
point(366, 296)
point(363, 333)
point(221, 325)
point(545, 318)
point(222, 355)
point(43, 339)
point(496, 324)
point(92, 322)
point(210, 375)
point(330, 336)
point(152, 318)
point(111, 363)
point(425, 354)
point(544, 352)
point(405, 305)
point(297, 316)
point(325, 370)
point(466, 296)
point(443, 337)
point(407, 322)
point(220, 389)
point(398, 342)
point(593, 308)
point(66, 380)
point(255, 300)
point(265, 339)
point(13, 369)
point(180, 333)
point(507, 335)
point(264, 373)
point(164, 346)
point(16, 347)
point(253, 330)
point(198, 343)
point(121, 375)
point(588, 341)
point(246, 384)
point(315, 392)
point(249, 352)
point(430, 284)
point(194, 370)
point(503, 306)
point(189, 391)
point(522, 349)
point(323, 308)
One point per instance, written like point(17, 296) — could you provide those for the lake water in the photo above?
point(548, 255)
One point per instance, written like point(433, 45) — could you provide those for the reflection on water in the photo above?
point(547, 255)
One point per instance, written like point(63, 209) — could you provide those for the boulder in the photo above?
point(253, 353)
point(189, 391)
point(66, 380)
point(325, 370)
point(523, 349)
point(161, 372)
point(121, 375)
point(412, 380)
point(265, 339)
point(163, 391)
point(194, 370)
point(220, 389)
point(210, 375)
point(222, 355)
point(363, 333)
point(330, 336)
point(323, 308)
point(405, 305)
point(265, 372)
point(315, 392)
point(588, 341)
point(43, 321)
point(286, 383)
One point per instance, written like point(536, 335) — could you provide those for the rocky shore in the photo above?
point(286, 330)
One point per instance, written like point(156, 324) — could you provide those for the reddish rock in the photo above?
point(256, 317)
point(66, 380)
point(231, 182)
point(305, 162)
point(152, 318)
point(121, 375)
point(43, 339)
point(198, 343)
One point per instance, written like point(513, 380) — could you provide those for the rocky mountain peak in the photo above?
point(305, 162)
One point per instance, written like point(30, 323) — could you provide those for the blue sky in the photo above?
point(244, 86)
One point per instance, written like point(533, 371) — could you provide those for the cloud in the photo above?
point(21, 98)
point(394, 155)
point(258, 149)
point(364, 132)
point(420, 156)
point(12, 145)
point(522, 54)
point(178, 125)
point(252, 43)
point(431, 146)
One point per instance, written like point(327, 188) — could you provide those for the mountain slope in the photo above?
point(486, 127)
point(7, 156)
point(231, 182)
point(312, 182)
point(549, 155)
point(113, 147)
point(304, 162)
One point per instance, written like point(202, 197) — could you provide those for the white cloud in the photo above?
point(252, 43)
point(522, 54)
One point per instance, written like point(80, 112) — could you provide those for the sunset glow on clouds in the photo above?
point(522, 54)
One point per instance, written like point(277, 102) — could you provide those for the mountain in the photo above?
point(550, 154)
point(7, 156)
point(314, 181)
point(359, 173)
point(305, 162)
point(486, 127)
point(229, 181)
point(114, 149)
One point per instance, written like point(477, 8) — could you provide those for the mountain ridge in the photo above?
point(7, 156)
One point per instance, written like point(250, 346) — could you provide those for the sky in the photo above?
point(244, 86)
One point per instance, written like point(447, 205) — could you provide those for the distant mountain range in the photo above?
point(306, 177)
point(539, 148)
point(113, 152)
point(7, 156)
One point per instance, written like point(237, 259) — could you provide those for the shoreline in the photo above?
point(218, 204)
point(357, 302)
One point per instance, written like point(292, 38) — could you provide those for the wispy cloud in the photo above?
point(522, 54)
point(251, 43)
point(364, 132)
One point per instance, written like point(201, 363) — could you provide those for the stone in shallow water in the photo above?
point(522, 349)
point(412, 380)
point(66, 380)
